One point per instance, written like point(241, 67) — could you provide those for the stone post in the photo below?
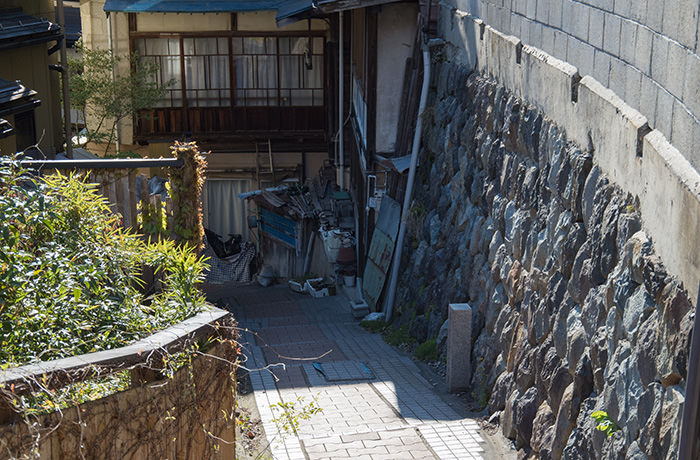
point(459, 343)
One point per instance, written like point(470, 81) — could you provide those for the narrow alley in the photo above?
point(376, 402)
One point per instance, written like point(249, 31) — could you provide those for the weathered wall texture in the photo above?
point(161, 419)
point(573, 310)
point(646, 51)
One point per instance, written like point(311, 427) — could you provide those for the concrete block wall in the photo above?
point(623, 143)
point(646, 51)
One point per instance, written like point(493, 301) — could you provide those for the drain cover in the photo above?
point(338, 371)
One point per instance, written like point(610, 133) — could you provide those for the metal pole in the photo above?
point(341, 57)
point(114, 72)
point(391, 295)
point(688, 448)
point(61, 18)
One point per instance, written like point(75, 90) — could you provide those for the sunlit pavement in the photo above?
point(376, 404)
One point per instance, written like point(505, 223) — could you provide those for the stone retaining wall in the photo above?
point(188, 416)
point(646, 51)
point(573, 309)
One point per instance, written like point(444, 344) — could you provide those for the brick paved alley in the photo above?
point(376, 404)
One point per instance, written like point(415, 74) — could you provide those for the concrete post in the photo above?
point(459, 343)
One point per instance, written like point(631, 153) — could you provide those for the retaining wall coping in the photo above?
point(620, 136)
point(56, 373)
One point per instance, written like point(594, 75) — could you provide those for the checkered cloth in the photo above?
point(234, 268)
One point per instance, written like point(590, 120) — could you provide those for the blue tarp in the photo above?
point(191, 6)
point(291, 10)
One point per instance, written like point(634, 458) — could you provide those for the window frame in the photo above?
point(233, 87)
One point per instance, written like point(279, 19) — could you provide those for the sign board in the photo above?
point(381, 251)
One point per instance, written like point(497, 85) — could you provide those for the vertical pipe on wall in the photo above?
point(391, 296)
point(114, 71)
point(61, 18)
point(341, 57)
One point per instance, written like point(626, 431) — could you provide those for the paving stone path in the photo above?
point(376, 405)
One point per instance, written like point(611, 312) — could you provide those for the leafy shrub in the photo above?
point(604, 422)
point(69, 272)
point(427, 351)
point(398, 336)
point(377, 325)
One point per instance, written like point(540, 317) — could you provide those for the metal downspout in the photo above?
point(391, 296)
point(341, 57)
point(114, 74)
point(64, 81)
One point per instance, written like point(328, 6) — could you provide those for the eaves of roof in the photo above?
point(15, 97)
point(18, 29)
point(191, 6)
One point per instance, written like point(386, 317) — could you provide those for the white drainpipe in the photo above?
point(114, 74)
point(341, 182)
point(391, 295)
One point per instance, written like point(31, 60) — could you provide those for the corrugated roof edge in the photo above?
point(190, 6)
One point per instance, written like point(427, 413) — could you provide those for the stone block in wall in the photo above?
point(601, 67)
point(675, 66)
point(659, 59)
point(628, 40)
point(687, 25)
point(682, 129)
point(654, 16)
point(691, 91)
point(664, 111)
point(642, 54)
point(633, 86)
point(596, 27)
point(611, 34)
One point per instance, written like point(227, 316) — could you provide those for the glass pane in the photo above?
point(298, 45)
point(218, 72)
point(272, 97)
point(289, 71)
point(192, 98)
point(237, 44)
point(205, 45)
point(157, 46)
point(303, 97)
point(271, 44)
point(188, 46)
point(194, 72)
point(313, 78)
point(170, 70)
point(318, 45)
point(267, 71)
point(253, 45)
point(140, 46)
point(223, 45)
point(240, 97)
point(174, 44)
point(244, 71)
point(285, 97)
point(284, 45)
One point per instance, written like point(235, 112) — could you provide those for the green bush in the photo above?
point(377, 325)
point(398, 336)
point(427, 351)
point(69, 272)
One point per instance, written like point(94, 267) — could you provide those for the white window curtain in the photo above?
point(206, 71)
point(165, 54)
point(226, 213)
